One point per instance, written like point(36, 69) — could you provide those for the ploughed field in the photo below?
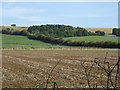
point(31, 68)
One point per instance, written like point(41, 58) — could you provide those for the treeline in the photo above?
point(74, 43)
point(62, 31)
point(15, 32)
point(116, 31)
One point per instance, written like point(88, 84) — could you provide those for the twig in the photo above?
point(50, 74)
point(117, 72)
point(87, 73)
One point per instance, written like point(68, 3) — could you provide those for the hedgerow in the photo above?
point(60, 41)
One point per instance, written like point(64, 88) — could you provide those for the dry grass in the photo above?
point(106, 30)
point(22, 68)
point(13, 28)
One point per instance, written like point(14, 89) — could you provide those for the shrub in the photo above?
point(99, 33)
point(13, 24)
point(116, 31)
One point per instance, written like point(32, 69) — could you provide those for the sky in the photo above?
point(60, 0)
point(82, 14)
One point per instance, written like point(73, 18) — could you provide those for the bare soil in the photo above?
point(30, 68)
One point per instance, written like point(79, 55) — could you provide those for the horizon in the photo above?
point(81, 14)
point(54, 24)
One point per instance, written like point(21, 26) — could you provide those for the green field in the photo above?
point(22, 42)
point(111, 38)
point(11, 41)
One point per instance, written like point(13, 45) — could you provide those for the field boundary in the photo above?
point(76, 49)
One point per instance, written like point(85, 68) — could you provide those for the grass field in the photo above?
point(111, 38)
point(11, 41)
point(22, 42)
point(31, 68)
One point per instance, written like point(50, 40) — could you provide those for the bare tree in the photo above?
point(87, 71)
point(54, 83)
point(106, 67)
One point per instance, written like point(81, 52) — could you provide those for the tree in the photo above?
point(58, 30)
point(100, 33)
point(13, 24)
point(116, 31)
point(24, 33)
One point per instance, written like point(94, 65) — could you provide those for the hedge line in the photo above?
point(116, 31)
point(60, 41)
point(74, 43)
point(15, 32)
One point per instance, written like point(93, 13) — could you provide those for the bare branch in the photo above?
point(50, 74)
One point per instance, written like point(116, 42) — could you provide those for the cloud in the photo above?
point(21, 11)
point(28, 14)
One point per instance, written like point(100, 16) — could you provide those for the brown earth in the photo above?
point(30, 68)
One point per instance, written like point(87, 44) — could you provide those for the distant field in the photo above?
point(22, 42)
point(111, 38)
point(11, 41)
point(106, 30)
point(14, 28)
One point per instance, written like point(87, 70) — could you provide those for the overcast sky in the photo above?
point(84, 14)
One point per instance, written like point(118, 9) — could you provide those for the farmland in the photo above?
point(14, 28)
point(28, 63)
point(11, 41)
point(29, 68)
point(111, 38)
point(106, 30)
point(22, 42)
